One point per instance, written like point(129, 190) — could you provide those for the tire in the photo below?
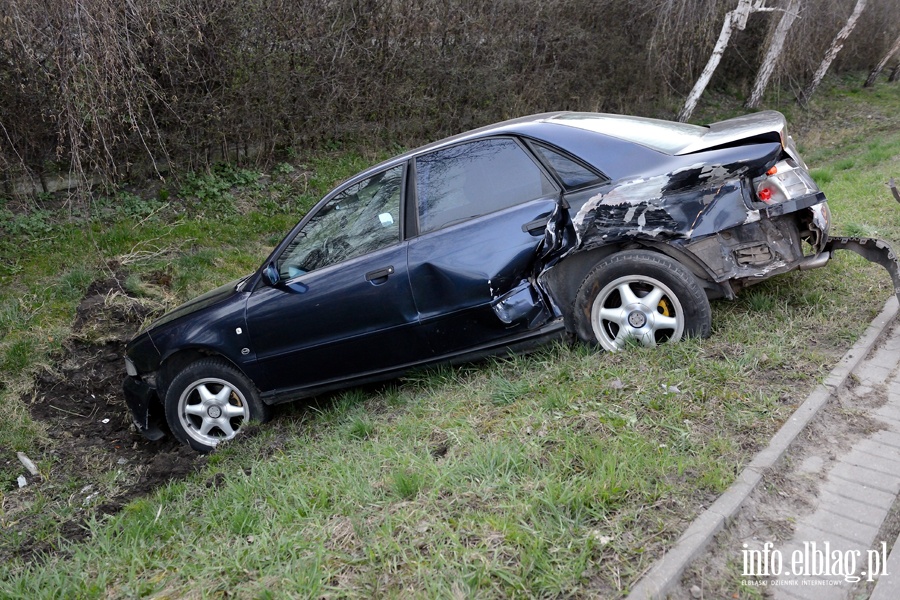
point(200, 399)
point(641, 296)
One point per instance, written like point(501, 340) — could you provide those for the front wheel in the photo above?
point(209, 402)
point(640, 296)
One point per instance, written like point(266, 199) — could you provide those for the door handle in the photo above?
point(537, 226)
point(379, 275)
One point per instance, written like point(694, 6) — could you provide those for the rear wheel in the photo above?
point(640, 296)
point(209, 402)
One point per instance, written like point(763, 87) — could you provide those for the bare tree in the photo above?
point(791, 11)
point(833, 51)
point(734, 20)
point(882, 64)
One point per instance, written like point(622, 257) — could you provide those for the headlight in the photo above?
point(130, 368)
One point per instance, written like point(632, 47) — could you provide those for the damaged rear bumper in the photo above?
point(876, 251)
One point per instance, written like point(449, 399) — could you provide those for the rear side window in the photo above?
point(570, 172)
point(476, 178)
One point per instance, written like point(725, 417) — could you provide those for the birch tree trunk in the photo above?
point(832, 53)
point(736, 19)
point(791, 12)
point(884, 61)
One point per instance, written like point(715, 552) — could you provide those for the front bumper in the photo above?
point(141, 398)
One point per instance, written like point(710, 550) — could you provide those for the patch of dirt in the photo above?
point(94, 461)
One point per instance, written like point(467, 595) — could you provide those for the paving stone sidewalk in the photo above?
point(838, 540)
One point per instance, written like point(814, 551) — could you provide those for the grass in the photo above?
point(455, 492)
point(563, 472)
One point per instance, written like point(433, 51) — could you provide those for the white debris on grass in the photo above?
point(27, 463)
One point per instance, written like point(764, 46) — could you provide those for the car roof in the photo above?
point(668, 138)
point(527, 125)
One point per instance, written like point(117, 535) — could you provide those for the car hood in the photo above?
point(200, 302)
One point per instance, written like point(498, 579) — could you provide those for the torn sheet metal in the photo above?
point(560, 237)
point(523, 303)
point(690, 202)
point(559, 240)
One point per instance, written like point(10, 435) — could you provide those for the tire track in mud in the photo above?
point(93, 461)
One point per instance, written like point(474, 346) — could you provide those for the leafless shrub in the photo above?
point(107, 89)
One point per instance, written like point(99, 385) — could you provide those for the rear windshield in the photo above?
point(663, 136)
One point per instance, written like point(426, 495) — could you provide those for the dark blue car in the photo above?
point(607, 228)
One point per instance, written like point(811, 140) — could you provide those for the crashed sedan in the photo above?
point(605, 228)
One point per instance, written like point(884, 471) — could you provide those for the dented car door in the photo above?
point(482, 209)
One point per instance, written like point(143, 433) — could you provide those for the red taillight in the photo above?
point(783, 182)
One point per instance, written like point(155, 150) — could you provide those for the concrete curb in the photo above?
point(693, 542)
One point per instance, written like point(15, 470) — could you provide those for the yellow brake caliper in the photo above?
point(664, 308)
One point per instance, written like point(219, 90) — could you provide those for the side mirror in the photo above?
point(271, 274)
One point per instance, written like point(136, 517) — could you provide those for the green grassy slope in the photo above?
point(564, 472)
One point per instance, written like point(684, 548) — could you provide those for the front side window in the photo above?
point(474, 179)
point(362, 218)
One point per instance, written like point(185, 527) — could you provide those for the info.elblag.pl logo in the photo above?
point(820, 561)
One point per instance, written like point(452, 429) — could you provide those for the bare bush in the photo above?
point(106, 89)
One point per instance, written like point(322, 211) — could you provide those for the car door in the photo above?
point(343, 305)
point(481, 207)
